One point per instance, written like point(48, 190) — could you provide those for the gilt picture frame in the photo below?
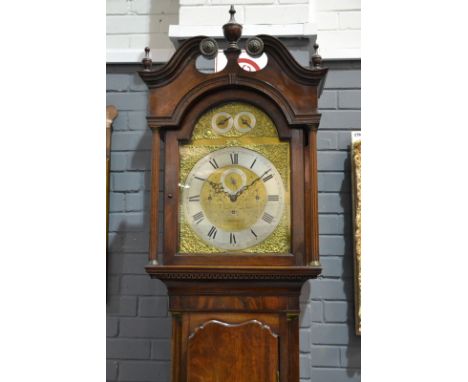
point(111, 114)
point(356, 202)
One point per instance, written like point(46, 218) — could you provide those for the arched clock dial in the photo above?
point(233, 198)
point(235, 184)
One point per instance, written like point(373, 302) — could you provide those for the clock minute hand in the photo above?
point(242, 189)
point(260, 177)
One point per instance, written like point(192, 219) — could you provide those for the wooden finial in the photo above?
point(316, 58)
point(232, 12)
point(232, 31)
point(147, 62)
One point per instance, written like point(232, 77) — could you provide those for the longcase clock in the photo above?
point(240, 226)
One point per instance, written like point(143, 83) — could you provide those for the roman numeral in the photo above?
point(232, 239)
point(253, 163)
point(214, 163)
point(202, 179)
point(253, 233)
point(267, 217)
point(195, 198)
point(273, 198)
point(212, 232)
point(198, 217)
point(234, 158)
point(267, 178)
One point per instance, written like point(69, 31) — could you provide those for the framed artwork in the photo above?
point(356, 197)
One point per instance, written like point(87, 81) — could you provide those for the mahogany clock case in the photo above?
point(287, 92)
point(176, 137)
point(235, 316)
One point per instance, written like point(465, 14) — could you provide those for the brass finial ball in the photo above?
point(254, 46)
point(209, 47)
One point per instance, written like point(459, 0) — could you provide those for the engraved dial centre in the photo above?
point(238, 206)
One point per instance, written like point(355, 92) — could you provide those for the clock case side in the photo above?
point(289, 93)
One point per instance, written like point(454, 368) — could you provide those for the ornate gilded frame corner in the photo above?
point(356, 197)
point(111, 114)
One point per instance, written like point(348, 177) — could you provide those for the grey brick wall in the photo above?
point(334, 351)
point(138, 324)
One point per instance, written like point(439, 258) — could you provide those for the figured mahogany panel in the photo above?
point(229, 303)
point(223, 352)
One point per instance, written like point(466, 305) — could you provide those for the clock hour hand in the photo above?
point(217, 187)
point(245, 122)
point(225, 120)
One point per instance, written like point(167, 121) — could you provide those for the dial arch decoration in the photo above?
point(233, 119)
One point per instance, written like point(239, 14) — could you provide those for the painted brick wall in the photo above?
point(138, 324)
point(330, 350)
point(199, 12)
point(339, 28)
point(134, 24)
point(139, 23)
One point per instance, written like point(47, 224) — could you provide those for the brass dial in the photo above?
point(234, 179)
point(234, 198)
point(244, 121)
point(222, 122)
